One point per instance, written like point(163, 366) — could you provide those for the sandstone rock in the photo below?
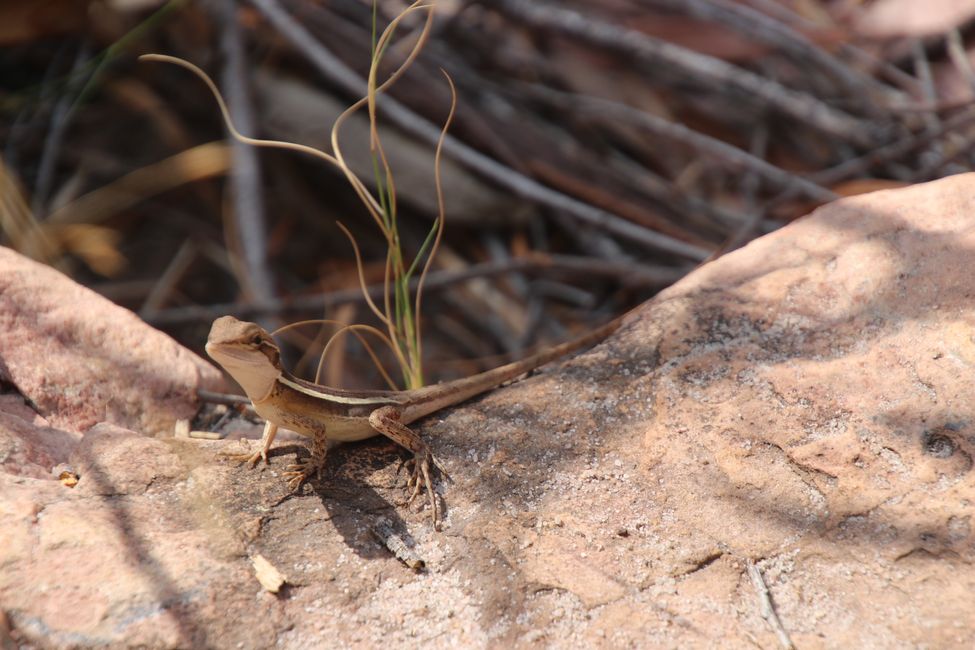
point(83, 570)
point(31, 448)
point(81, 359)
point(803, 403)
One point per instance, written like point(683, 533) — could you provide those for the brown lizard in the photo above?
point(248, 353)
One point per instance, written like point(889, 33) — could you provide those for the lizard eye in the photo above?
point(257, 340)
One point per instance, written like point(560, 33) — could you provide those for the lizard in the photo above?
point(251, 357)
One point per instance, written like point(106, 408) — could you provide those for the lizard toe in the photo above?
point(246, 459)
point(421, 481)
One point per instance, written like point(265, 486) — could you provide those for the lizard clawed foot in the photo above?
point(304, 469)
point(300, 472)
point(387, 421)
point(420, 480)
point(270, 430)
point(249, 459)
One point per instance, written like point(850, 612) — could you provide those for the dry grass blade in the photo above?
point(362, 278)
point(442, 212)
point(200, 162)
point(46, 241)
point(17, 221)
point(506, 177)
point(355, 330)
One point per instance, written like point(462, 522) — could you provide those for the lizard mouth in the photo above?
point(230, 352)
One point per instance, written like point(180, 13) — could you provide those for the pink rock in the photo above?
point(111, 460)
point(803, 405)
point(81, 359)
point(32, 449)
point(129, 570)
point(891, 19)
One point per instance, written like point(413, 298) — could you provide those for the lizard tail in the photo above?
point(430, 399)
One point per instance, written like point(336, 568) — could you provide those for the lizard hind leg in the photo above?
point(386, 420)
point(305, 468)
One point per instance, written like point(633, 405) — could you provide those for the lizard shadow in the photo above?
point(361, 490)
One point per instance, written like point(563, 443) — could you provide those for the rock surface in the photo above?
point(803, 404)
point(81, 359)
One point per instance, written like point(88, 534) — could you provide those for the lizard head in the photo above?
point(247, 352)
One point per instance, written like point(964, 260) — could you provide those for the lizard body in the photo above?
point(248, 353)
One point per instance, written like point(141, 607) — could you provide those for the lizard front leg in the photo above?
point(270, 430)
point(301, 471)
point(386, 420)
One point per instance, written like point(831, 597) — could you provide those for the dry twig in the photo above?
point(766, 607)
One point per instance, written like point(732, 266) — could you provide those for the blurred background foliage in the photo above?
point(600, 151)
